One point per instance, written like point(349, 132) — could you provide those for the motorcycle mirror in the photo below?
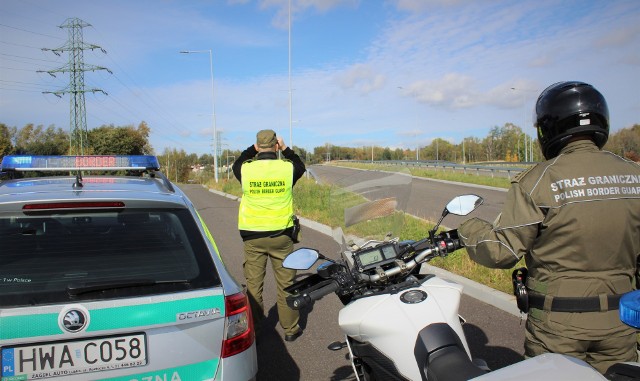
point(459, 206)
point(463, 205)
point(301, 259)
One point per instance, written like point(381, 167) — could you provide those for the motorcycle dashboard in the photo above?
point(370, 258)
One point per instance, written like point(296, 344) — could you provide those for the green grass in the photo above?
point(311, 201)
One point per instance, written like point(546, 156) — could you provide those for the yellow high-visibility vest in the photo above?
point(267, 195)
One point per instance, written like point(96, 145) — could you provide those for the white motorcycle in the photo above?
point(400, 324)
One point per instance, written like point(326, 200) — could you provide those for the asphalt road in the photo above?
point(428, 197)
point(494, 335)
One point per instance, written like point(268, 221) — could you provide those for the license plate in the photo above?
point(73, 357)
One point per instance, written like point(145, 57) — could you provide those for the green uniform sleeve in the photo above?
point(502, 243)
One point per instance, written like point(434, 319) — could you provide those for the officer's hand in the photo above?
point(451, 234)
point(281, 145)
point(451, 240)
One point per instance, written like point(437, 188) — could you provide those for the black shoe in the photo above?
point(293, 337)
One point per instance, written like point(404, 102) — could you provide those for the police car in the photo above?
point(113, 276)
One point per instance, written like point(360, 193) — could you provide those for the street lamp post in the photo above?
point(290, 96)
point(528, 146)
point(213, 106)
point(232, 160)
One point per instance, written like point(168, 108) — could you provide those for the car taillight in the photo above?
point(238, 325)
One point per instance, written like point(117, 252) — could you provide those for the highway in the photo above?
point(493, 334)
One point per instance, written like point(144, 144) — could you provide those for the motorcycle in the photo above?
point(399, 323)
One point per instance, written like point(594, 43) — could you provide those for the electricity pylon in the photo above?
point(78, 142)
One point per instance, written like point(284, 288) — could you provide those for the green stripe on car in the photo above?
point(201, 371)
point(16, 327)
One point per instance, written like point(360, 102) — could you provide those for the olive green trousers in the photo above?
point(256, 253)
point(600, 354)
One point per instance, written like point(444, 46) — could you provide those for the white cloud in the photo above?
point(297, 7)
point(361, 77)
point(423, 5)
point(453, 90)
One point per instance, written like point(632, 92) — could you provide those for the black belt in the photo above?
point(575, 304)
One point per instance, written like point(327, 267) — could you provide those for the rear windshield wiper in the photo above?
point(75, 289)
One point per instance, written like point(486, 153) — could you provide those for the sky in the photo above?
point(357, 73)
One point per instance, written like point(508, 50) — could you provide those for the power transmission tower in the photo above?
point(78, 142)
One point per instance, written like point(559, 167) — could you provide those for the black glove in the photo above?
point(448, 241)
point(451, 234)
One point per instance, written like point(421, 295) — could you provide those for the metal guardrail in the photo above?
point(501, 170)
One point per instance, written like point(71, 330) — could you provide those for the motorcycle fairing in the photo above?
point(368, 320)
point(374, 361)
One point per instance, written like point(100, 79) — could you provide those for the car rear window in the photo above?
point(95, 255)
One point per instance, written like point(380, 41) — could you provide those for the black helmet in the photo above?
point(568, 109)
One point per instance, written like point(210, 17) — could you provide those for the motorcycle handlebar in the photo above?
point(300, 301)
point(445, 243)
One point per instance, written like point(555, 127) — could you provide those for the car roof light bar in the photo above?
point(25, 163)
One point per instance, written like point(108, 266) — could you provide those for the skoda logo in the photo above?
point(74, 320)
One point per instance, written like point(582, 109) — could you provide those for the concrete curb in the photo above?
point(473, 289)
point(227, 195)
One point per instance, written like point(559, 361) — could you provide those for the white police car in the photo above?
point(113, 277)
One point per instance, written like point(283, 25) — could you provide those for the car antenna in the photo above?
point(78, 183)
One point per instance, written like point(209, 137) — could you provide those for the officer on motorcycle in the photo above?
point(576, 220)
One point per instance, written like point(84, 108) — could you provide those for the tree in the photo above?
point(175, 164)
point(34, 140)
point(490, 143)
point(144, 130)
point(6, 146)
point(626, 143)
point(111, 140)
point(439, 149)
point(206, 159)
point(386, 154)
point(473, 149)
point(300, 151)
point(324, 152)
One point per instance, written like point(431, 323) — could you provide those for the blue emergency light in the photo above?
point(630, 308)
point(79, 163)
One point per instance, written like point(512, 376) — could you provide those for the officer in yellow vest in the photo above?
point(576, 220)
point(265, 221)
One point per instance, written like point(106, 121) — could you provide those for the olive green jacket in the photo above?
point(576, 220)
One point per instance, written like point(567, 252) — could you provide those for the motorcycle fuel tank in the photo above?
point(390, 321)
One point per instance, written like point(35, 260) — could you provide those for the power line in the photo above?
point(132, 112)
point(27, 58)
point(22, 45)
point(29, 31)
point(157, 108)
point(21, 90)
point(22, 83)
